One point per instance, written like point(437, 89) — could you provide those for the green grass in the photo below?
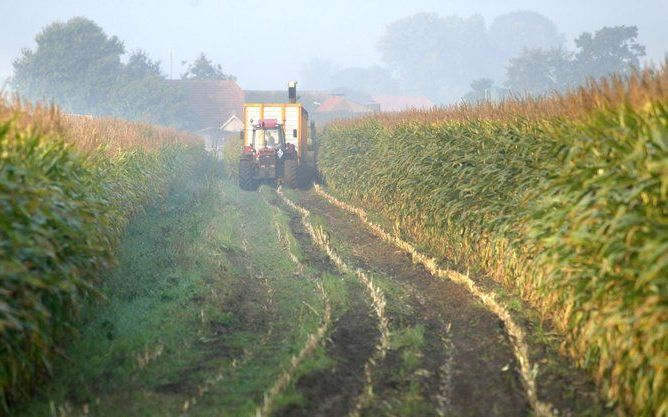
point(185, 304)
point(62, 212)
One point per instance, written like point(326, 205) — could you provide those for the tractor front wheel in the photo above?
point(246, 181)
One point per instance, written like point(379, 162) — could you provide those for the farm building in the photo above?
point(211, 102)
point(215, 106)
point(214, 137)
point(339, 107)
point(232, 126)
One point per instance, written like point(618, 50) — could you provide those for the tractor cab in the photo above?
point(268, 133)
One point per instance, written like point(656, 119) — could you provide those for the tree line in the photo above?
point(79, 67)
point(450, 58)
point(539, 71)
point(82, 69)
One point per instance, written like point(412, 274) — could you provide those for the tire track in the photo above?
point(329, 391)
point(528, 371)
point(484, 376)
point(313, 340)
point(282, 382)
point(321, 239)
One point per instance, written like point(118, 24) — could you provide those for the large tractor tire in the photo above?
point(246, 181)
point(290, 173)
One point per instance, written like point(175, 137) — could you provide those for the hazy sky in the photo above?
point(265, 43)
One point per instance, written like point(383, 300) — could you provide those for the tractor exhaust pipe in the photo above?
point(292, 91)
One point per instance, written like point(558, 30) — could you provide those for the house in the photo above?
point(215, 106)
point(232, 126)
point(339, 107)
point(214, 137)
point(211, 102)
point(401, 103)
point(339, 104)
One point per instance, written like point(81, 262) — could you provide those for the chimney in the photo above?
point(292, 91)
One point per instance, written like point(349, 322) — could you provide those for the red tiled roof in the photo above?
point(212, 101)
point(399, 103)
point(339, 104)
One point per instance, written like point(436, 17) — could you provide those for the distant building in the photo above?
point(339, 107)
point(232, 126)
point(339, 104)
point(211, 102)
point(215, 108)
point(214, 137)
point(401, 103)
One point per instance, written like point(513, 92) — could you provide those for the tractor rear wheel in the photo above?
point(290, 174)
point(246, 181)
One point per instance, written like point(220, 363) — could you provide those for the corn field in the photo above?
point(68, 187)
point(563, 199)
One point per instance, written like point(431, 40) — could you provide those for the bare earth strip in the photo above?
point(518, 338)
point(477, 367)
point(313, 340)
point(374, 292)
point(561, 384)
point(349, 344)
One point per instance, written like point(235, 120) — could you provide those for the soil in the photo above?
point(330, 392)
point(472, 368)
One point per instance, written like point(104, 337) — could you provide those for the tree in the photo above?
point(203, 68)
point(316, 73)
point(539, 71)
point(140, 65)
point(152, 100)
point(609, 50)
point(372, 80)
point(512, 33)
point(480, 90)
point(75, 64)
point(436, 56)
point(143, 94)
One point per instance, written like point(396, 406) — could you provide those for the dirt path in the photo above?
point(331, 391)
point(469, 359)
point(232, 303)
point(476, 374)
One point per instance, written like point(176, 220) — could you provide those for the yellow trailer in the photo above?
point(277, 144)
point(292, 116)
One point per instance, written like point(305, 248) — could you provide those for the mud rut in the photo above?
point(470, 368)
point(351, 341)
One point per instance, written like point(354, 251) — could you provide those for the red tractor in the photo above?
point(268, 156)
